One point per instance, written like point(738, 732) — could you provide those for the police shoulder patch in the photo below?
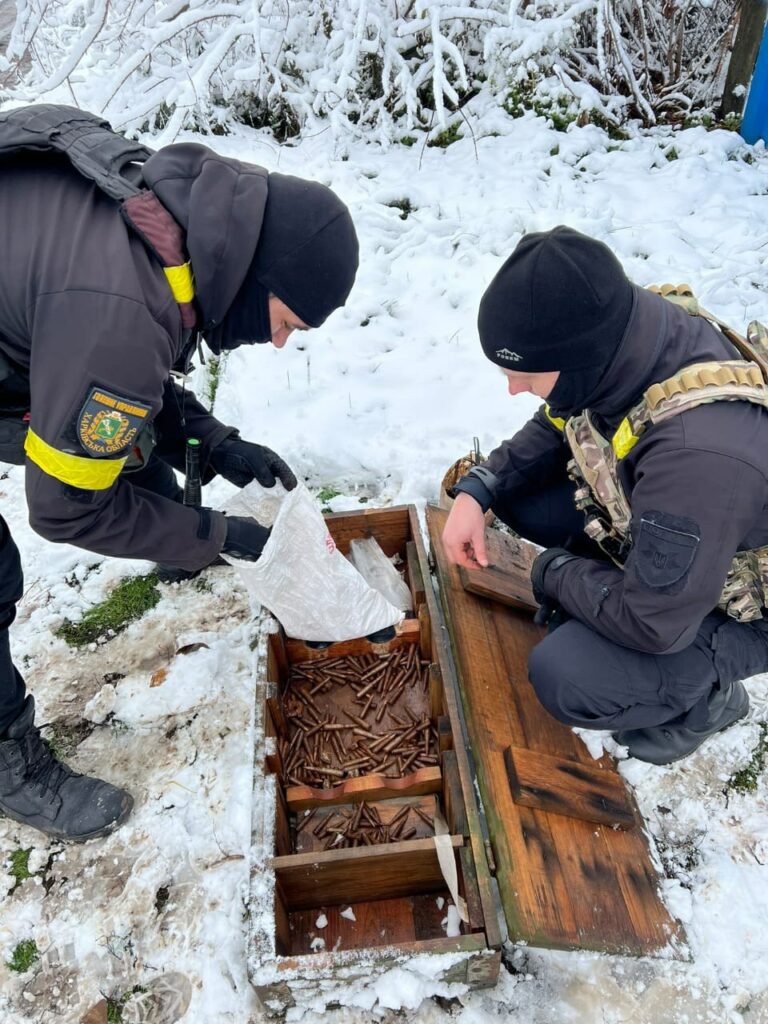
point(664, 550)
point(108, 424)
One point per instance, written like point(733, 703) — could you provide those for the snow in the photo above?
point(378, 403)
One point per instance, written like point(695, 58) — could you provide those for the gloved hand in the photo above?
point(240, 462)
point(245, 538)
point(550, 614)
point(552, 558)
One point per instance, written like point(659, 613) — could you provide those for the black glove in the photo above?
point(550, 614)
point(245, 538)
point(552, 558)
point(241, 461)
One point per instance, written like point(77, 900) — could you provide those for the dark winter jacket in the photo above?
point(707, 467)
point(87, 312)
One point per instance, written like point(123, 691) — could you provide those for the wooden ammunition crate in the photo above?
point(368, 744)
point(353, 847)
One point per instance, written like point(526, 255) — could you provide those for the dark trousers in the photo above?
point(156, 476)
point(584, 679)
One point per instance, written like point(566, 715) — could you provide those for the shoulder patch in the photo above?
point(108, 424)
point(664, 550)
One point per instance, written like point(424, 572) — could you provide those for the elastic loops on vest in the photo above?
point(181, 281)
point(75, 470)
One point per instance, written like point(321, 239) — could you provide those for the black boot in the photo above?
point(38, 790)
point(662, 744)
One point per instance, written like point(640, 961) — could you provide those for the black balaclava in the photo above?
point(307, 256)
point(560, 302)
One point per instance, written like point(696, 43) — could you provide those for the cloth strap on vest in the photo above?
point(103, 156)
point(594, 466)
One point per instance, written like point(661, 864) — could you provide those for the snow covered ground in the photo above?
point(377, 404)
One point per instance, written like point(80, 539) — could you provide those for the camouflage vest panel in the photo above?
point(594, 469)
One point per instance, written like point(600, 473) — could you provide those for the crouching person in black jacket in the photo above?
point(645, 477)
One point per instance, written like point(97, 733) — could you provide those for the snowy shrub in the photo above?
point(366, 65)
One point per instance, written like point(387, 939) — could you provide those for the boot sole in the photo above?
point(740, 713)
point(126, 808)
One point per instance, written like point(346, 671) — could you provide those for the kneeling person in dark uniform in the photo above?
point(103, 301)
point(658, 594)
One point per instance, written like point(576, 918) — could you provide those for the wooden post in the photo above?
point(749, 33)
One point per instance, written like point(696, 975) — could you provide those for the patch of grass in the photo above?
point(403, 205)
point(671, 154)
point(408, 140)
point(130, 599)
point(216, 366)
point(20, 865)
point(447, 136)
point(745, 780)
point(116, 1005)
point(65, 735)
point(326, 494)
point(24, 956)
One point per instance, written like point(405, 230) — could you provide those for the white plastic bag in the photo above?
point(377, 570)
point(307, 584)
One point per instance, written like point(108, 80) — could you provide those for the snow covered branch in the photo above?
point(386, 65)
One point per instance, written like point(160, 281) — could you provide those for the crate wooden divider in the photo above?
point(390, 899)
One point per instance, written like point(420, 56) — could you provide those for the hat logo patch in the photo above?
point(508, 355)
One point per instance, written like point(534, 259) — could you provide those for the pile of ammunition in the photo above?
point(322, 751)
point(361, 825)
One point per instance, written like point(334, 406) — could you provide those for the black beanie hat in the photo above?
point(560, 302)
point(307, 255)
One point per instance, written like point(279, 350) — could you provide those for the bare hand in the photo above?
point(464, 533)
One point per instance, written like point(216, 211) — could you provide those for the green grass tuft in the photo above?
point(116, 1006)
point(20, 865)
point(403, 205)
point(215, 366)
point(24, 956)
point(325, 494)
point(745, 780)
point(447, 137)
point(130, 599)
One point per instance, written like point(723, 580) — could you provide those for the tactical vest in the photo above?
point(594, 467)
point(105, 158)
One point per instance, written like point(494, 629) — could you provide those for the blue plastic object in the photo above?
point(754, 126)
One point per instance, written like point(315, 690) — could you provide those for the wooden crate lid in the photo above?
point(572, 861)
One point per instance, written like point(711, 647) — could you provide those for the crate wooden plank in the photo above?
point(452, 703)
point(497, 585)
point(371, 924)
point(484, 964)
point(338, 877)
point(406, 632)
point(470, 891)
point(390, 526)
point(367, 787)
point(507, 578)
point(564, 786)
point(415, 575)
point(564, 882)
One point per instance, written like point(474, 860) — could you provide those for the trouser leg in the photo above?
point(12, 689)
point(584, 679)
point(157, 476)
